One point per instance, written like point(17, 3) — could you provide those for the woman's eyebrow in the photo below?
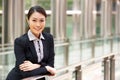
point(37, 18)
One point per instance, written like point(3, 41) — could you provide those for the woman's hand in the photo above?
point(28, 66)
point(51, 70)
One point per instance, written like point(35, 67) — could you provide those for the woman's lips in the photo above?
point(37, 29)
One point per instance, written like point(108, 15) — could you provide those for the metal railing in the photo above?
point(68, 70)
point(109, 69)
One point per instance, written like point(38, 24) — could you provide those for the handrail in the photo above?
point(61, 44)
point(73, 66)
point(8, 44)
point(86, 61)
point(67, 43)
point(6, 48)
point(6, 52)
point(91, 40)
point(73, 42)
point(34, 77)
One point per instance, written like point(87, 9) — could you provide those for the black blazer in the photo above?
point(25, 50)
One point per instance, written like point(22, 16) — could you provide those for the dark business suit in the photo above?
point(25, 50)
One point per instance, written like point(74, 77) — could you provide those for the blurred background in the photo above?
point(86, 35)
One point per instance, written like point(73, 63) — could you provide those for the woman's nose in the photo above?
point(38, 24)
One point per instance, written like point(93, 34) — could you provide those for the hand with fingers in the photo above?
point(51, 70)
point(28, 66)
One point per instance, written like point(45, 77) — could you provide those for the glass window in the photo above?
point(46, 4)
point(98, 18)
point(113, 24)
point(113, 5)
point(69, 26)
point(69, 4)
point(98, 24)
point(98, 5)
point(27, 4)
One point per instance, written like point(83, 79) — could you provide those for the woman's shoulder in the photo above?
point(47, 35)
point(22, 38)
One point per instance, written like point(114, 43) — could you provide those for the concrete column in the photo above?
point(58, 19)
point(19, 18)
point(89, 17)
point(106, 18)
point(86, 4)
point(109, 17)
point(117, 18)
point(63, 19)
point(92, 20)
point(13, 19)
point(103, 17)
point(76, 20)
point(53, 19)
point(82, 19)
point(55, 7)
point(5, 29)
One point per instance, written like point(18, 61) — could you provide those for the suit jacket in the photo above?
point(25, 50)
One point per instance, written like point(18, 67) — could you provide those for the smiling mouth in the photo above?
point(37, 29)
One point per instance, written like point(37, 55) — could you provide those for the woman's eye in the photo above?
point(34, 20)
point(41, 20)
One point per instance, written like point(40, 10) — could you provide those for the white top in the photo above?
point(38, 44)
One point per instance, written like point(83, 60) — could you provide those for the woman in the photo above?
point(34, 51)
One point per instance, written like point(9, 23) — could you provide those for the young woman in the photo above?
point(34, 51)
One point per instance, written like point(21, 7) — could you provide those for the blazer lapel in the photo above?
point(44, 48)
point(32, 49)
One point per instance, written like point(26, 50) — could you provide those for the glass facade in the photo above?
point(82, 30)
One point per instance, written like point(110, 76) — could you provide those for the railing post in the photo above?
point(112, 68)
point(106, 69)
point(78, 73)
point(66, 55)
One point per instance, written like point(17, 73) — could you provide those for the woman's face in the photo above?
point(36, 23)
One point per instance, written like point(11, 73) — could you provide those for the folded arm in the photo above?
point(19, 49)
point(27, 68)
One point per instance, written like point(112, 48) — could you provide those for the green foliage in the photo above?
point(69, 28)
point(46, 4)
point(27, 4)
point(69, 4)
point(113, 24)
point(98, 26)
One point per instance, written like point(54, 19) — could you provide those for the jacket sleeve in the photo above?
point(50, 61)
point(19, 48)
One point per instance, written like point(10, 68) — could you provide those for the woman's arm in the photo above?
point(19, 48)
point(50, 61)
point(26, 66)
